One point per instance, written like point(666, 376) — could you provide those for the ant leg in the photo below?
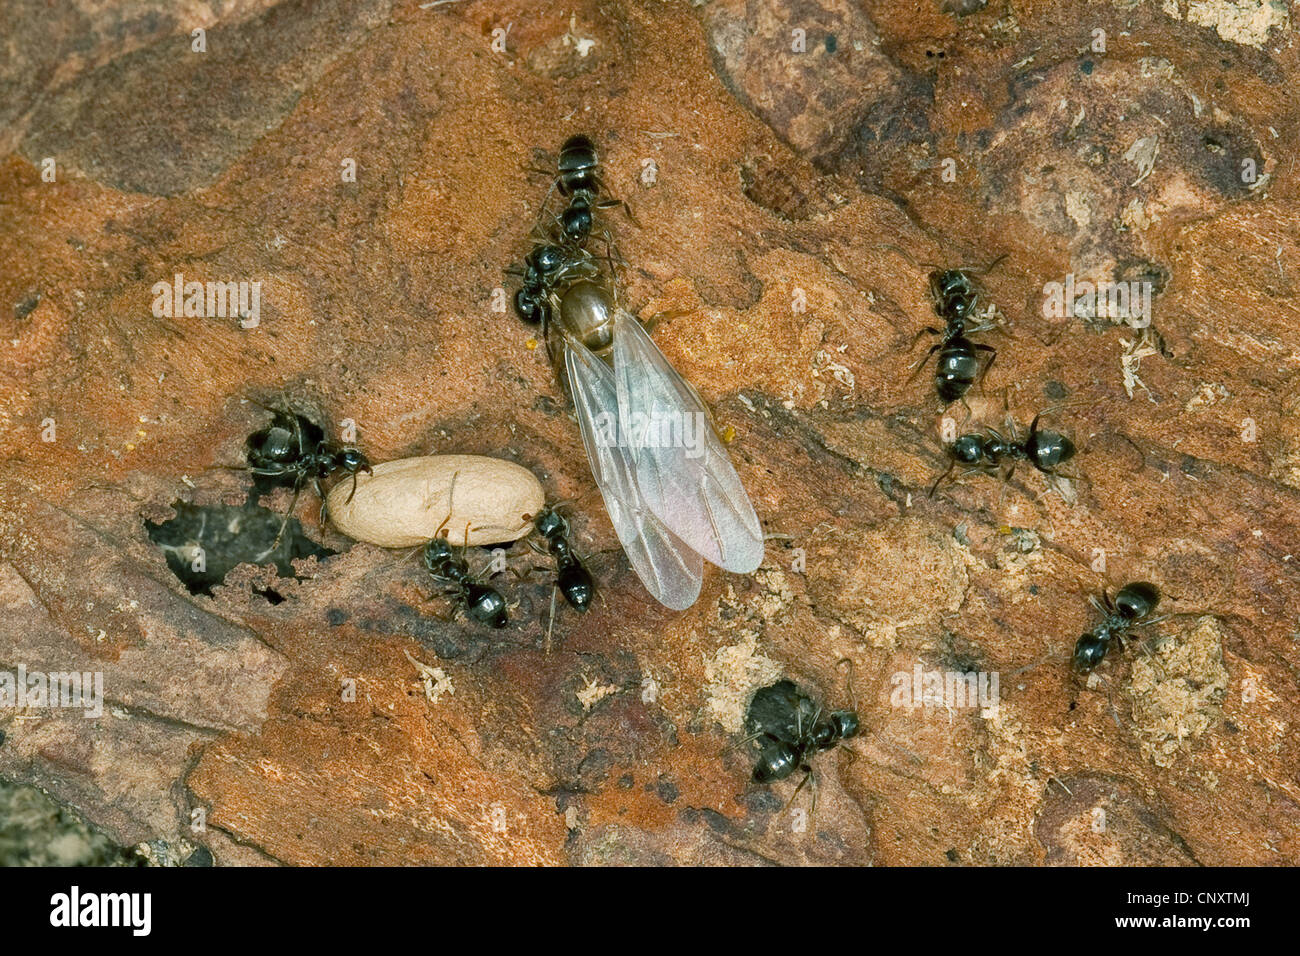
point(550, 192)
point(806, 777)
point(817, 715)
point(612, 254)
point(966, 405)
point(1005, 482)
point(297, 434)
point(324, 507)
point(627, 209)
point(993, 355)
point(650, 322)
point(951, 465)
point(1151, 620)
point(916, 369)
point(550, 624)
point(614, 201)
point(928, 330)
point(1072, 477)
point(297, 488)
point(736, 745)
point(553, 234)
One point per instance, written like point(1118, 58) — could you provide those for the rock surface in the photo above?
point(787, 201)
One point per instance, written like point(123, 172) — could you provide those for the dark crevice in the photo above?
point(203, 544)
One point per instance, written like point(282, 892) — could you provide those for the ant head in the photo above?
point(550, 523)
point(576, 220)
point(949, 283)
point(437, 552)
point(968, 449)
point(547, 259)
point(533, 309)
point(845, 723)
point(352, 461)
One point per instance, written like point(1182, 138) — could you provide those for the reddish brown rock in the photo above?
point(290, 712)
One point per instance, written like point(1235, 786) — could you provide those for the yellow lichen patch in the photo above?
point(1246, 21)
point(1177, 689)
point(593, 692)
point(435, 680)
point(733, 675)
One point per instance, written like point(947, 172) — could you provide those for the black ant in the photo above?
point(790, 728)
point(1132, 604)
point(483, 602)
point(1045, 450)
point(545, 268)
point(579, 180)
point(956, 301)
point(572, 578)
point(550, 273)
point(293, 451)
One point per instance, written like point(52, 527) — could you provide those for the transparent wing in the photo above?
point(670, 570)
point(684, 474)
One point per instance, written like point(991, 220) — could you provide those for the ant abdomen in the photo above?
point(1048, 449)
point(1136, 600)
point(957, 368)
point(1089, 651)
point(578, 165)
point(777, 760)
point(486, 604)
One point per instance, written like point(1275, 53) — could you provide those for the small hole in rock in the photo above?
point(204, 544)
